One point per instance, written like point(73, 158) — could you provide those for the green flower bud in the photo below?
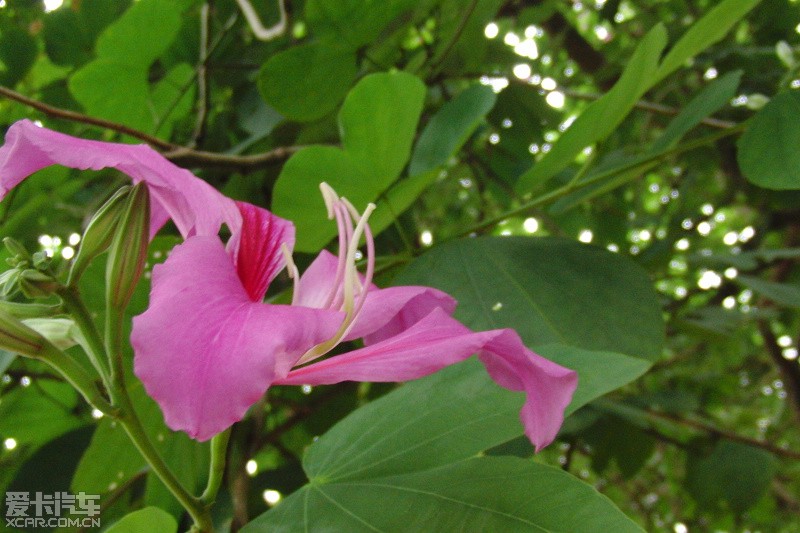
point(128, 251)
point(18, 338)
point(99, 233)
point(16, 249)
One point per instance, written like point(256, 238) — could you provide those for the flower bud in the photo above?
point(16, 249)
point(18, 338)
point(99, 233)
point(128, 251)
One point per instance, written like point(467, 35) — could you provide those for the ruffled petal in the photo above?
point(437, 341)
point(204, 351)
point(256, 248)
point(194, 205)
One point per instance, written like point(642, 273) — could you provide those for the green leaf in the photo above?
point(603, 115)
point(449, 416)
point(735, 473)
point(142, 33)
point(378, 121)
point(781, 293)
point(450, 128)
point(708, 30)
point(550, 290)
point(150, 519)
point(18, 50)
point(353, 23)
point(307, 82)
point(769, 150)
point(114, 90)
point(482, 494)
point(36, 414)
point(710, 100)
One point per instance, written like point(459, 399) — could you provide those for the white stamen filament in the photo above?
point(353, 293)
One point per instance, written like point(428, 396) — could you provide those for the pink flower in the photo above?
point(208, 347)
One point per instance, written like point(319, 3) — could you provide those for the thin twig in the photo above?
point(180, 155)
point(437, 61)
point(717, 432)
point(652, 107)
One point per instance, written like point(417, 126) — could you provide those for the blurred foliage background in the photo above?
point(689, 170)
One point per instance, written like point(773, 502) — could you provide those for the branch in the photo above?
point(717, 432)
point(652, 107)
point(180, 155)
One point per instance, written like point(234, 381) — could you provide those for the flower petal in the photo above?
point(257, 248)
point(204, 351)
point(437, 341)
point(194, 205)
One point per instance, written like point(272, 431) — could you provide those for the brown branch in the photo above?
point(721, 433)
point(180, 155)
point(653, 108)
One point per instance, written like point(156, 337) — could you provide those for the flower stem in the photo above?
point(78, 378)
point(74, 306)
point(219, 448)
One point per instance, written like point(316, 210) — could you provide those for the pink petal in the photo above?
point(386, 312)
point(257, 248)
point(316, 283)
point(195, 206)
point(437, 341)
point(204, 351)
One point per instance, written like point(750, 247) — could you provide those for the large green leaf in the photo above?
point(482, 494)
point(769, 150)
point(307, 82)
point(550, 290)
point(603, 115)
point(450, 128)
point(377, 121)
point(150, 519)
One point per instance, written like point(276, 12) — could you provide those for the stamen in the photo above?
point(345, 226)
point(352, 284)
point(291, 269)
point(330, 197)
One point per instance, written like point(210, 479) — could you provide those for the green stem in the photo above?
point(219, 448)
point(575, 184)
point(77, 376)
point(74, 306)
